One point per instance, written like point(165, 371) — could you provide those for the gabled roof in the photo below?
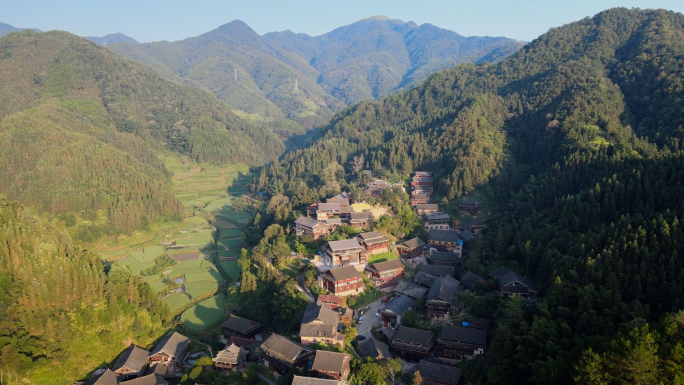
point(512, 277)
point(410, 289)
point(481, 323)
point(467, 235)
point(437, 271)
point(343, 202)
point(329, 206)
point(463, 334)
point(498, 271)
point(173, 345)
point(150, 379)
point(230, 355)
point(439, 372)
point(373, 237)
point(134, 359)
point(284, 348)
point(470, 201)
point(445, 289)
point(241, 342)
point(308, 222)
point(361, 216)
point(443, 236)
point(386, 266)
point(423, 174)
point(399, 306)
point(333, 221)
point(467, 222)
point(330, 361)
point(320, 313)
point(470, 279)
point(345, 244)
point(436, 216)
point(297, 380)
point(445, 256)
point(413, 243)
point(343, 273)
point(106, 378)
point(416, 336)
point(424, 278)
point(422, 179)
point(317, 330)
point(419, 196)
point(427, 206)
point(241, 325)
point(373, 348)
point(329, 298)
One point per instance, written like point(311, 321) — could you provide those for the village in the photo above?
point(416, 313)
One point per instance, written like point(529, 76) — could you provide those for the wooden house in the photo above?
point(331, 301)
point(422, 181)
point(479, 323)
point(319, 325)
point(419, 199)
point(105, 378)
point(443, 299)
point(455, 342)
point(361, 220)
point(331, 365)
point(469, 280)
point(385, 274)
point(411, 249)
point(327, 210)
point(511, 283)
point(374, 349)
point(342, 281)
point(374, 242)
point(437, 221)
point(241, 327)
point(444, 258)
point(283, 354)
point(435, 372)
point(344, 199)
point(170, 348)
point(413, 343)
point(131, 363)
point(392, 313)
point(470, 206)
point(343, 253)
point(299, 380)
point(313, 227)
point(445, 239)
point(411, 290)
point(427, 208)
point(230, 357)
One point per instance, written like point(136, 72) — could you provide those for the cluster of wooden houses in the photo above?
point(324, 218)
point(137, 366)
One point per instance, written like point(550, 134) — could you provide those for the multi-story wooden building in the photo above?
point(314, 228)
point(283, 354)
point(131, 363)
point(319, 325)
point(470, 206)
point(413, 343)
point(331, 301)
point(443, 298)
point(455, 342)
point(299, 380)
point(392, 313)
point(422, 181)
point(327, 210)
point(419, 199)
point(511, 283)
point(170, 348)
point(469, 280)
point(444, 258)
point(374, 242)
point(361, 220)
point(241, 327)
point(411, 249)
point(436, 372)
point(446, 239)
point(427, 208)
point(331, 365)
point(343, 253)
point(229, 358)
point(437, 221)
point(385, 274)
point(342, 281)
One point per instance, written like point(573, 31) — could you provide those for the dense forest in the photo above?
point(81, 129)
point(61, 314)
point(578, 139)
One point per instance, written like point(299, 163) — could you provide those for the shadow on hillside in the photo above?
point(240, 185)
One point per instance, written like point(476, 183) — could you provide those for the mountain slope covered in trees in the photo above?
point(60, 314)
point(364, 60)
point(80, 128)
point(584, 127)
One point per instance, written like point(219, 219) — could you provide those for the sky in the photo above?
point(172, 20)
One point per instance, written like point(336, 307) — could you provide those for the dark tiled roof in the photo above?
point(307, 222)
point(330, 361)
point(360, 216)
point(313, 381)
point(498, 271)
point(106, 378)
point(399, 306)
point(240, 342)
point(467, 222)
point(329, 206)
point(373, 237)
point(343, 273)
point(444, 236)
point(173, 345)
point(283, 347)
point(419, 196)
point(411, 289)
point(511, 277)
point(440, 372)
point(424, 278)
point(329, 298)
point(445, 288)
point(423, 174)
point(470, 201)
point(374, 349)
point(345, 244)
point(320, 313)
point(343, 202)
point(481, 323)
point(150, 379)
point(230, 355)
point(437, 271)
point(134, 359)
point(386, 265)
point(317, 330)
point(444, 256)
point(416, 336)
point(470, 279)
point(436, 216)
point(241, 325)
point(467, 235)
point(463, 334)
point(413, 243)
point(427, 206)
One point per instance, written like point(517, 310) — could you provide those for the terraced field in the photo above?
point(205, 313)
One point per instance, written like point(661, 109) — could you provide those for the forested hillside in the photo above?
point(60, 314)
point(80, 128)
point(286, 78)
point(578, 139)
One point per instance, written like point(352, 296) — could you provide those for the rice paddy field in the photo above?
point(213, 228)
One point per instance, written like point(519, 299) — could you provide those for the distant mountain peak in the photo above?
point(379, 17)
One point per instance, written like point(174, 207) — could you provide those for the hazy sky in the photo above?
point(174, 20)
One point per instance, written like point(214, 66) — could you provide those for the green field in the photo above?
point(230, 268)
point(231, 233)
point(199, 289)
point(230, 243)
point(176, 301)
point(382, 257)
point(196, 239)
point(204, 314)
point(212, 275)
